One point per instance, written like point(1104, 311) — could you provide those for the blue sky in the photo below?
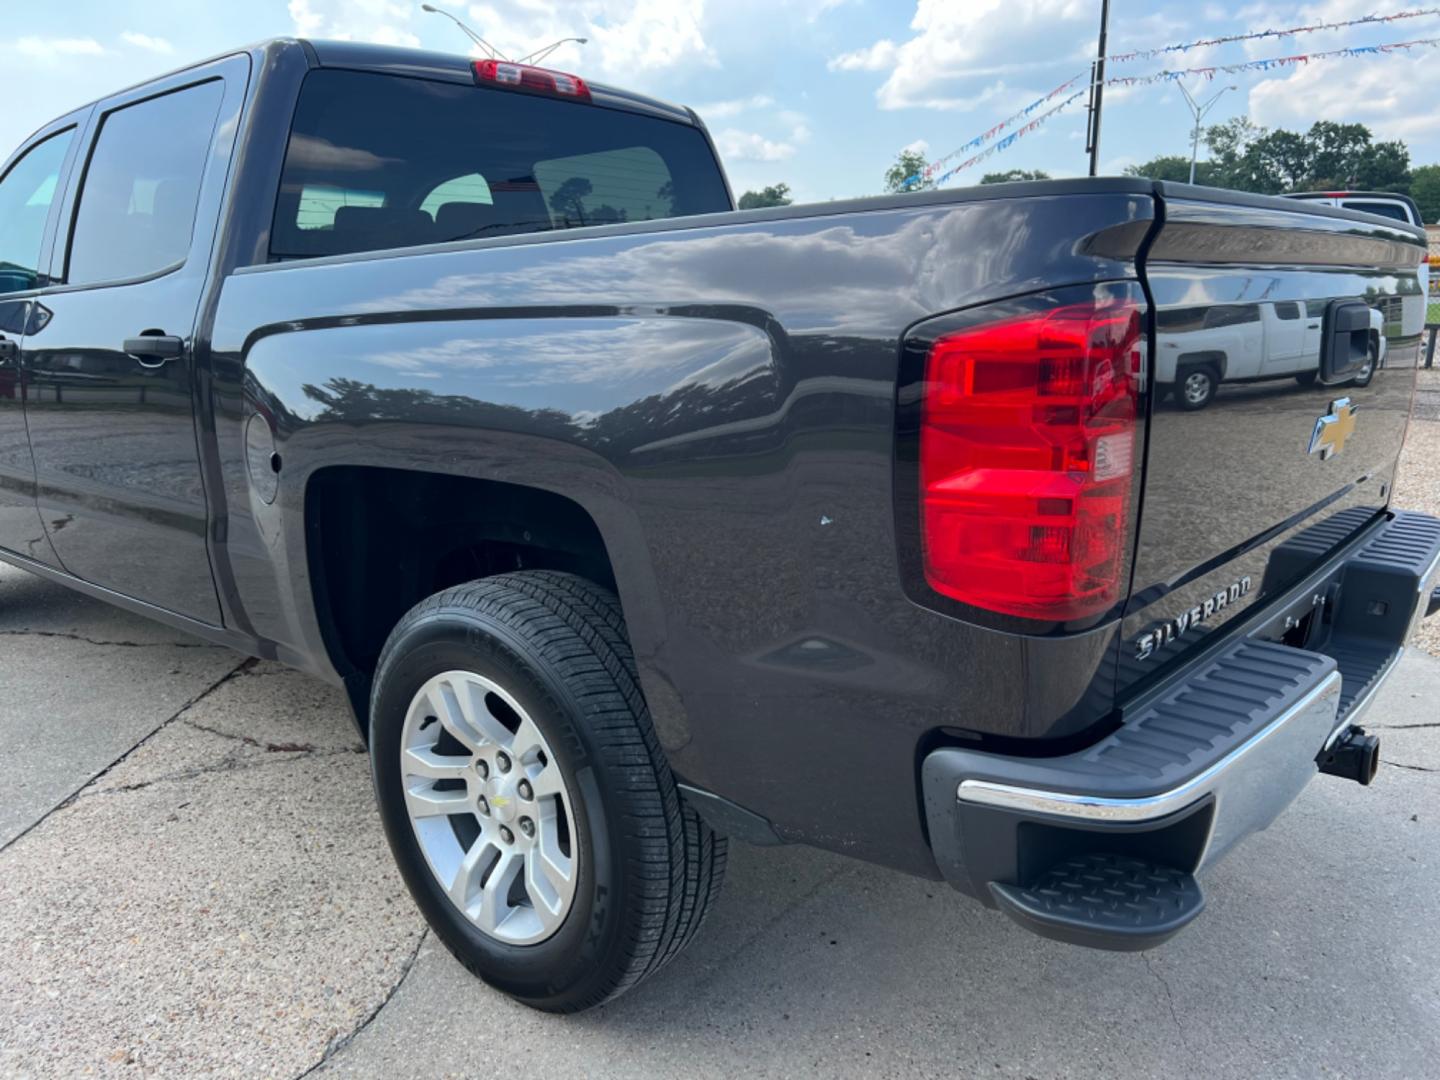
point(820, 94)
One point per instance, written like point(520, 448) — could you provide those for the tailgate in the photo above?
point(1257, 293)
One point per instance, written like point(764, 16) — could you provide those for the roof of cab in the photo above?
point(452, 67)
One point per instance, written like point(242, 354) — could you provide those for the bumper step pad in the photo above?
point(1110, 901)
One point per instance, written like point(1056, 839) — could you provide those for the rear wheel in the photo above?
point(1196, 387)
point(525, 796)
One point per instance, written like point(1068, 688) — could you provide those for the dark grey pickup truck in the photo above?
point(630, 523)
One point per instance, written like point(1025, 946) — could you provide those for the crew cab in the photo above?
point(630, 523)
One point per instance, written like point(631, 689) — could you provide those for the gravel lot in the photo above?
point(1417, 486)
point(195, 884)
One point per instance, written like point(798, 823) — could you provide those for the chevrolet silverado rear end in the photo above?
point(629, 522)
point(1270, 590)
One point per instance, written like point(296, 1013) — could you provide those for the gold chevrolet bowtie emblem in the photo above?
point(1332, 429)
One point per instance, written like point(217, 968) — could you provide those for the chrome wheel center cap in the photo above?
point(500, 793)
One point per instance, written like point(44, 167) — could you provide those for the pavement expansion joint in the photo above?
point(339, 1042)
point(118, 644)
point(229, 763)
point(71, 799)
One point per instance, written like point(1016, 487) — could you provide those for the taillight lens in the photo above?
point(508, 76)
point(1028, 456)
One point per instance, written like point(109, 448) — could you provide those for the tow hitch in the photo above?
point(1353, 756)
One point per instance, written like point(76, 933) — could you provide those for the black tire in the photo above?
point(649, 868)
point(1307, 378)
point(1184, 387)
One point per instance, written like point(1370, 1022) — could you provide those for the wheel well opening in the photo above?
point(381, 540)
point(1202, 359)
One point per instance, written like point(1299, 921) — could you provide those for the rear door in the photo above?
point(30, 186)
point(1226, 485)
point(111, 409)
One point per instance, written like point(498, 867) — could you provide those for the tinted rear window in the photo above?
point(377, 161)
point(1398, 211)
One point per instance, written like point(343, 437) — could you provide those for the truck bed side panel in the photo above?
point(720, 399)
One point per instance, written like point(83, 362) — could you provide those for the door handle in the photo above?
point(154, 350)
point(1313, 326)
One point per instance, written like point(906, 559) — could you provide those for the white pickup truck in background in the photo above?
point(1199, 347)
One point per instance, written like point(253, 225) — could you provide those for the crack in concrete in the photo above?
point(229, 763)
point(794, 905)
point(1412, 768)
point(1169, 998)
point(339, 1042)
point(268, 747)
point(1403, 727)
point(118, 644)
point(69, 800)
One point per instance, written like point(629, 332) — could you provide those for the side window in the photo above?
point(26, 192)
point(1231, 315)
point(1287, 309)
point(1398, 211)
point(319, 203)
point(466, 190)
point(137, 202)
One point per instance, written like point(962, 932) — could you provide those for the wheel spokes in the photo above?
point(423, 761)
point(495, 893)
point(423, 801)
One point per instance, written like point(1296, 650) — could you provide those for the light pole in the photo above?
point(540, 54)
point(490, 50)
point(1199, 112)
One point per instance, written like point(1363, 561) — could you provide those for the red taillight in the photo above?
point(507, 76)
point(1027, 457)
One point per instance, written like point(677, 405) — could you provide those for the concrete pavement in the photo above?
point(220, 901)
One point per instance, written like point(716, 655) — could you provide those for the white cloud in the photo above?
point(52, 49)
point(954, 42)
point(919, 146)
point(748, 146)
point(627, 38)
point(720, 110)
point(147, 42)
point(384, 22)
point(876, 57)
point(1393, 95)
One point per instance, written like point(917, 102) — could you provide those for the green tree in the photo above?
point(1425, 190)
point(1283, 157)
point(1337, 152)
point(774, 195)
point(908, 165)
point(1175, 167)
point(1385, 168)
point(1014, 174)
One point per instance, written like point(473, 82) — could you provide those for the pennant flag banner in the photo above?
point(1272, 63)
point(984, 137)
point(1009, 140)
point(1269, 64)
point(1290, 31)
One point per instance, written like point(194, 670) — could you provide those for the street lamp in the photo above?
point(540, 54)
point(490, 50)
point(1199, 112)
